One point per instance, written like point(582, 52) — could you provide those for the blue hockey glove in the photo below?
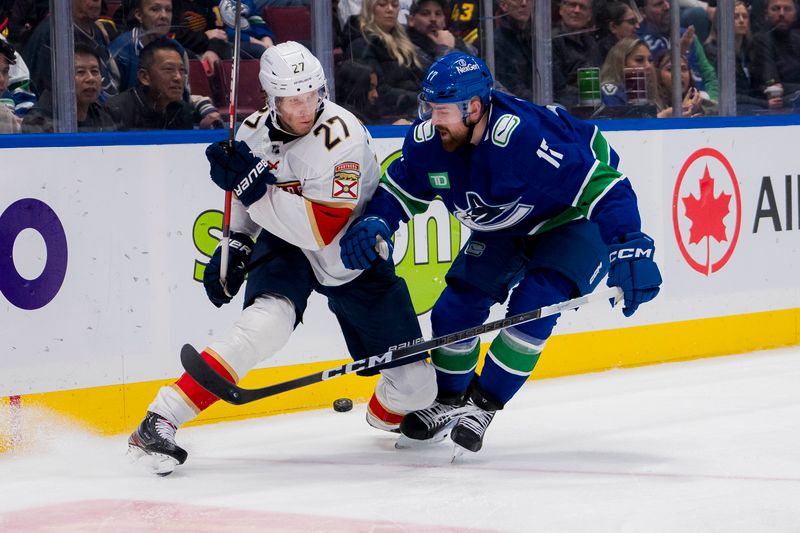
point(634, 270)
point(239, 171)
point(240, 247)
point(359, 242)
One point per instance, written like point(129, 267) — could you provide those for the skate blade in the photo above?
point(157, 463)
point(404, 443)
point(458, 452)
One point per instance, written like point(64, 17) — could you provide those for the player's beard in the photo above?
point(452, 140)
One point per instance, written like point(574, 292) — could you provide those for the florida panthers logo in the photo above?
point(481, 216)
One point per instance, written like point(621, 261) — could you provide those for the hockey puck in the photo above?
point(342, 405)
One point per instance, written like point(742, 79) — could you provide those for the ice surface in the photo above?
point(709, 445)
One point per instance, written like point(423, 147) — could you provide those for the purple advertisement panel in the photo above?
point(35, 293)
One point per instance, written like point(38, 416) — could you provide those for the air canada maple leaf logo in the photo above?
point(706, 211)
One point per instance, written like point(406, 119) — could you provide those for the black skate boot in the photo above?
point(429, 425)
point(468, 431)
point(154, 440)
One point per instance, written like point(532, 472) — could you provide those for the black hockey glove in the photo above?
point(240, 248)
point(239, 171)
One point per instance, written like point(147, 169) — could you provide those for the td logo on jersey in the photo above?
point(706, 211)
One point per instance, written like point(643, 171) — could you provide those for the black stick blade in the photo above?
point(208, 378)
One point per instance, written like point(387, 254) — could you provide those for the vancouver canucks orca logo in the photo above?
point(481, 216)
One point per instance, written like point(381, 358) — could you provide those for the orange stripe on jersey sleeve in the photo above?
point(327, 221)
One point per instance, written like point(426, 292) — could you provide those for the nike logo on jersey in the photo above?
point(483, 216)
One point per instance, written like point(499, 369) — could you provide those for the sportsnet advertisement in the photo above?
point(102, 249)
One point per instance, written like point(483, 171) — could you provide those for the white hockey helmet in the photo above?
point(289, 69)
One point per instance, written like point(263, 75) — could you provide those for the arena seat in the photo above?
point(289, 23)
point(251, 96)
point(198, 80)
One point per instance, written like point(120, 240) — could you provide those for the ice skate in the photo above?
point(429, 426)
point(470, 428)
point(153, 444)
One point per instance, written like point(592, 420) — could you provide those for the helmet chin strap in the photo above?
point(471, 127)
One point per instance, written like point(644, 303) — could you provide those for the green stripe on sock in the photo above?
point(455, 362)
point(513, 355)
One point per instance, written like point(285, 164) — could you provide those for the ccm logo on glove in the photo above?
point(630, 253)
point(634, 270)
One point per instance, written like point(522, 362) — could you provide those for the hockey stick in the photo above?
point(217, 385)
point(234, 101)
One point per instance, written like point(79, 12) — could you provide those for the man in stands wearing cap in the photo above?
point(427, 21)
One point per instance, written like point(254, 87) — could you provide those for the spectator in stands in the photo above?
point(427, 29)
point(21, 17)
point(88, 83)
point(38, 51)
point(512, 47)
point(758, 15)
point(350, 30)
point(385, 46)
point(123, 16)
point(629, 52)
point(261, 4)
point(200, 30)
point(357, 90)
point(156, 102)
point(18, 83)
point(340, 41)
point(698, 13)
point(255, 34)
point(106, 22)
point(616, 20)
point(749, 98)
point(9, 123)
point(153, 21)
point(574, 47)
point(353, 8)
point(465, 18)
point(776, 53)
point(693, 101)
point(655, 31)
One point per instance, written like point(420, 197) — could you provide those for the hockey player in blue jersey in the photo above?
point(550, 214)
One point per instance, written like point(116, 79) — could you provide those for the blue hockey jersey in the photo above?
point(534, 169)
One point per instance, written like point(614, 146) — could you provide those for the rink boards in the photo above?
point(102, 248)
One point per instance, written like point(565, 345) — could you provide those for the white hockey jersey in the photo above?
point(325, 179)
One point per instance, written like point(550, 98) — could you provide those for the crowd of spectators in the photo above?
point(133, 57)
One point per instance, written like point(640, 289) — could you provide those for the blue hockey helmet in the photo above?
point(455, 79)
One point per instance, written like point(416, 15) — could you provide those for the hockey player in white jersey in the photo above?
point(302, 169)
